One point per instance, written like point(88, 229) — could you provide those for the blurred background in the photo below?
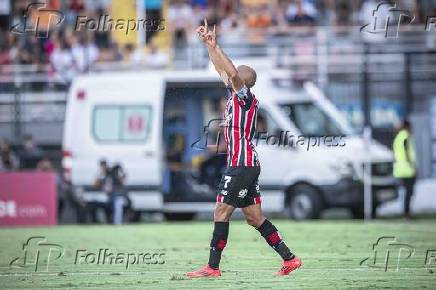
point(376, 77)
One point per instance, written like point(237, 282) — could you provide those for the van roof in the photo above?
point(263, 89)
point(179, 75)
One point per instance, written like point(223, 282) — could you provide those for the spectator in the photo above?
point(75, 7)
point(8, 160)
point(213, 16)
point(102, 37)
point(49, 45)
point(5, 12)
point(29, 52)
point(343, 14)
point(199, 11)
point(212, 167)
point(156, 59)
point(175, 181)
point(5, 57)
point(62, 59)
point(117, 193)
point(152, 12)
point(31, 154)
point(111, 181)
point(102, 182)
point(301, 12)
point(117, 55)
point(259, 16)
point(44, 165)
point(232, 28)
point(258, 19)
point(132, 54)
point(180, 16)
point(405, 166)
point(85, 52)
point(200, 3)
point(101, 175)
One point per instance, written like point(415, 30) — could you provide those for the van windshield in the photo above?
point(311, 120)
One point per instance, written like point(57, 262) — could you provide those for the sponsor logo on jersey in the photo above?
point(243, 193)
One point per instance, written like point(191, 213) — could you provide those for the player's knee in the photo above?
point(222, 213)
point(221, 217)
point(255, 221)
point(250, 221)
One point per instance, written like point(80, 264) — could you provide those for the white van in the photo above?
point(136, 119)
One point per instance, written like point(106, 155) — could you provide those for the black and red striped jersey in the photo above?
point(240, 126)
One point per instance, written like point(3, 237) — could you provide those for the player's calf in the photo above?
point(273, 238)
point(217, 245)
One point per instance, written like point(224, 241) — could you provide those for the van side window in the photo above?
point(265, 123)
point(121, 123)
point(311, 120)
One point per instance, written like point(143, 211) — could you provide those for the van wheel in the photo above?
point(179, 216)
point(305, 202)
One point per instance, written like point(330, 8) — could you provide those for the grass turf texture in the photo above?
point(331, 252)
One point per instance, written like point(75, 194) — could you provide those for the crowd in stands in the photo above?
point(66, 50)
point(73, 52)
point(28, 156)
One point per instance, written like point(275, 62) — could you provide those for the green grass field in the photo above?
point(331, 252)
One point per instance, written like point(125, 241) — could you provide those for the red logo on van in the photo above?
point(136, 124)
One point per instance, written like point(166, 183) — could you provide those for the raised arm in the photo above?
point(220, 60)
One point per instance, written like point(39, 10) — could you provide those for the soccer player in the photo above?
point(239, 186)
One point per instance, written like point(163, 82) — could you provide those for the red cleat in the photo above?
point(206, 271)
point(289, 266)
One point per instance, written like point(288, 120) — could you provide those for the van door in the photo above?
point(275, 159)
point(124, 134)
point(123, 125)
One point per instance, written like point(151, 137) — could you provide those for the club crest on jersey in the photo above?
point(243, 193)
